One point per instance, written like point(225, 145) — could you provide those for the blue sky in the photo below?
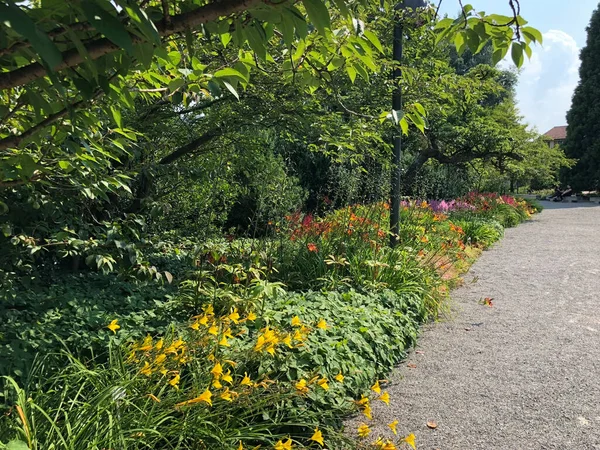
point(547, 81)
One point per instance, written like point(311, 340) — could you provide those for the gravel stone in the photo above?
point(525, 373)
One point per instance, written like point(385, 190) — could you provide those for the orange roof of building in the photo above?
point(557, 133)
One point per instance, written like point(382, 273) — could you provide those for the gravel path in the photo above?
point(525, 373)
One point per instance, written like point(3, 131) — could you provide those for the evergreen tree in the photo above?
point(583, 119)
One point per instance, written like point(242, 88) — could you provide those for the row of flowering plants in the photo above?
point(285, 337)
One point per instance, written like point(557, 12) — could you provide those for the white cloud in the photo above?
point(547, 81)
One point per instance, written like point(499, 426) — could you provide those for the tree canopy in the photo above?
point(583, 130)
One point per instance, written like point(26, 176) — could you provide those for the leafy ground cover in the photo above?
point(249, 343)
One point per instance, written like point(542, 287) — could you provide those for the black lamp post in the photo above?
point(397, 106)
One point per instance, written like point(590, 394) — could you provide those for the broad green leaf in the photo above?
point(17, 445)
point(229, 72)
point(287, 29)
point(13, 17)
point(473, 40)
point(351, 73)
point(143, 22)
point(231, 89)
point(108, 25)
point(404, 125)
point(420, 108)
point(373, 39)
point(528, 50)
point(342, 7)
point(499, 54)
point(299, 21)
point(533, 34)
point(517, 54)
point(318, 14)
point(116, 116)
point(257, 39)
point(459, 42)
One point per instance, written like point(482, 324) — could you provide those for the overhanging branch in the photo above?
point(101, 47)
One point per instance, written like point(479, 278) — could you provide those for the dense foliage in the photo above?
point(583, 128)
point(236, 352)
point(194, 218)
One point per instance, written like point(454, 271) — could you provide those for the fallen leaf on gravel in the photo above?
point(431, 424)
point(411, 365)
point(419, 352)
point(467, 329)
point(488, 301)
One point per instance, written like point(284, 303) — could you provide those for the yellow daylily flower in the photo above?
point(195, 326)
point(147, 344)
point(280, 445)
point(251, 316)
point(175, 381)
point(240, 447)
point(376, 388)
point(217, 370)
point(204, 397)
point(223, 342)
point(159, 344)
point(364, 430)
point(363, 401)
point(114, 326)
point(160, 359)
point(322, 324)
point(301, 386)
point(246, 381)
point(323, 383)
point(214, 330)
point(393, 426)
point(410, 440)
point(227, 377)
point(385, 398)
point(367, 412)
point(339, 377)
point(389, 445)
point(146, 370)
point(287, 340)
point(234, 316)
point(271, 349)
point(217, 384)
point(296, 322)
point(226, 395)
point(317, 436)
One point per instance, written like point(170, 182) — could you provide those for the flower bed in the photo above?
point(285, 336)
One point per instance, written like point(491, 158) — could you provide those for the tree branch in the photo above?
point(190, 147)
point(101, 47)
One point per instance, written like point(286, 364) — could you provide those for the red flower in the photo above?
point(312, 247)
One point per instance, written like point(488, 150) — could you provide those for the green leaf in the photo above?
point(373, 39)
point(17, 445)
point(404, 125)
point(342, 7)
point(231, 89)
point(143, 22)
point(287, 28)
point(459, 42)
point(420, 109)
point(528, 50)
point(351, 73)
point(108, 25)
point(13, 17)
point(257, 39)
point(299, 21)
point(533, 34)
point(499, 54)
point(318, 14)
point(116, 116)
point(517, 54)
point(229, 72)
point(473, 40)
